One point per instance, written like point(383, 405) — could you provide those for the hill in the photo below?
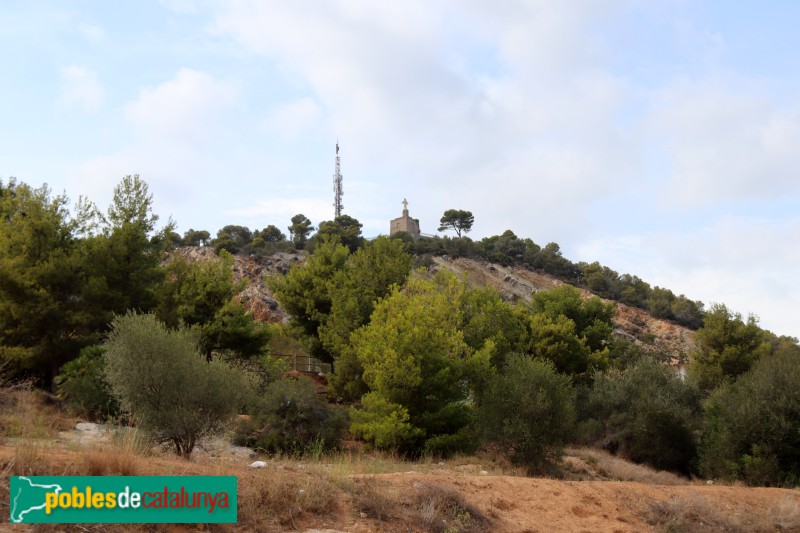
point(512, 283)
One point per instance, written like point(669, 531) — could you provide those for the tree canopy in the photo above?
point(346, 228)
point(159, 376)
point(40, 279)
point(727, 346)
point(458, 220)
point(416, 364)
point(299, 230)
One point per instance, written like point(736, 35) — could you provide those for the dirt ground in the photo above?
point(517, 504)
point(478, 500)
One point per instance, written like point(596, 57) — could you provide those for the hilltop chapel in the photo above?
point(405, 223)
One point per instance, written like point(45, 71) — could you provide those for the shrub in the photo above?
point(529, 408)
point(752, 425)
point(292, 418)
point(161, 378)
point(646, 413)
point(81, 383)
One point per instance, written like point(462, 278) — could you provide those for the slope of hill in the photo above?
point(513, 284)
point(516, 283)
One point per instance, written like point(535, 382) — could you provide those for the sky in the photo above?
point(658, 137)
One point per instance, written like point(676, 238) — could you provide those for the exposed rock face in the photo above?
point(513, 284)
point(256, 296)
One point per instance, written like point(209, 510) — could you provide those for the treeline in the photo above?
point(510, 250)
point(506, 249)
point(66, 271)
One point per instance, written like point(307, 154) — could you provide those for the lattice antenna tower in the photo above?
point(337, 186)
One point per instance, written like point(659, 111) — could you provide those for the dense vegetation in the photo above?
point(94, 304)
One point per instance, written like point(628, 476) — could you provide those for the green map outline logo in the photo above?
point(122, 499)
point(15, 499)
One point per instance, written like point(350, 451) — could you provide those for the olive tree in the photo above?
point(160, 377)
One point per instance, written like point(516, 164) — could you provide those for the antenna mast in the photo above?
point(337, 186)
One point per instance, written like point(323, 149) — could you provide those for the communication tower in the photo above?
point(337, 186)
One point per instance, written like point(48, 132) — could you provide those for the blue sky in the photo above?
point(661, 138)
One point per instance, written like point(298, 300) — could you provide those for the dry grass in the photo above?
point(443, 510)
point(285, 496)
point(695, 514)
point(124, 456)
point(371, 500)
point(598, 464)
point(26, 414)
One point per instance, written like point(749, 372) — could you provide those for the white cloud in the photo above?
point(187, 108)
point(402, 91)
point(750, 264)
point(726, 142)
point(292, 119)
point(175, 124)
point(80, 88)
point(282, 208)
point(92, 33)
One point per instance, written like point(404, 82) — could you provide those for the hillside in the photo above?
point(513, 284)
point(516, 283)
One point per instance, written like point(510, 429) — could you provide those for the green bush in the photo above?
point(160, 377)
point(80, 382)
point(528, 409)
point(646, 413)
point(752, 430)
point(292, 418)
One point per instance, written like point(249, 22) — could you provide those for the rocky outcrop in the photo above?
point(257, 298)
point(515, 283)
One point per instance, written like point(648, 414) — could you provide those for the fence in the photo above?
point(304, 363)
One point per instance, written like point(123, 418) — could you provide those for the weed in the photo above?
point(285, 496)
point(369, 499)
point(608, 466)
point(443, 510)
point(694, 514)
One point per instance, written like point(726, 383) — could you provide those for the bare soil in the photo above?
point(448, 497)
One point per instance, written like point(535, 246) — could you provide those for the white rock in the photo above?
point(484, 473)
point(258, 464)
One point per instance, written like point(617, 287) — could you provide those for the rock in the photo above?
point(87, 426)
point(241, 451)
point(258, 464)
point(484, 473)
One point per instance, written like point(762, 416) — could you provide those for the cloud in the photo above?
point(726, 142)
point(282, 208)
point(292, 119)
point(400, 84)
point(744, 262)
point(174, 123)
point(187, 108)
point(80, 88)
point(92, 33)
